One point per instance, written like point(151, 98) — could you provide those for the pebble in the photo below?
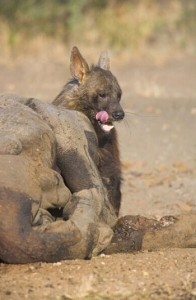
point(145, 273)
point(193, 292)
point(57, 264)
point(104, 255)
point(193, 111)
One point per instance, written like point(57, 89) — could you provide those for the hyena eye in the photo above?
point(102, 94)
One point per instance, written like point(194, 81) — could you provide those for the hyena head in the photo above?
point(93, 91)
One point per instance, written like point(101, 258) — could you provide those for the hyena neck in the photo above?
point(109, 142)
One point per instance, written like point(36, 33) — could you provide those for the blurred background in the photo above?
point(150, 29)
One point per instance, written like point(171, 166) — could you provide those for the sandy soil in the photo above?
point(158, 150)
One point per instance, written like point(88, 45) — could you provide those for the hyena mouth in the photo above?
point(103, 119)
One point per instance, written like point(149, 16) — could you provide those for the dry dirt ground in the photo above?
point(158, 149)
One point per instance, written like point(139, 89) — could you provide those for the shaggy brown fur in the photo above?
point(92, 90)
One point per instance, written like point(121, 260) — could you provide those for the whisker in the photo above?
point(128, 126)
point(140, 115)
point(127, 119)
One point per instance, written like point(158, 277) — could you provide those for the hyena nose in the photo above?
point(118, 115)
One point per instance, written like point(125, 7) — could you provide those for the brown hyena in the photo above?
point(96, 93)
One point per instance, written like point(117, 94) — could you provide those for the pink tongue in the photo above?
point(102, 116)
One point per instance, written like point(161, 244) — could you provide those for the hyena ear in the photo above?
point(104, 61)
point(78, 66)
